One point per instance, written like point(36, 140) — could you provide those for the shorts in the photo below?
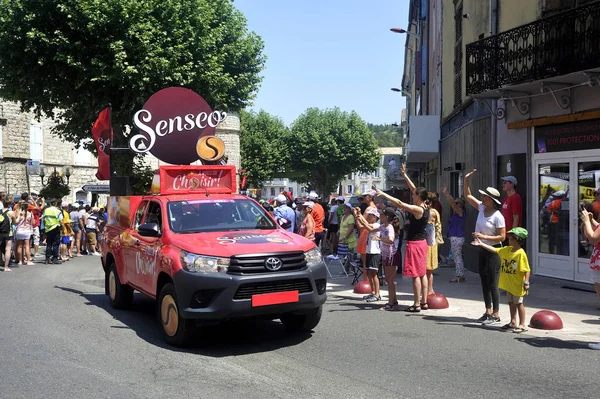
point(373, 261)
point(76, 228)
point(415, 259)
point(595, 276)
point(90, 236)
point(36, 236)
point(333, 228)
point(513, 298)
point(65, 240)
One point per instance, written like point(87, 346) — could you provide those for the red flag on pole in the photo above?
point(103, 137)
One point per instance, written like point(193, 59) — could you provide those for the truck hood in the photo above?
point(226, 244)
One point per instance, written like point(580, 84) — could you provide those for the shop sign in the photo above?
point(584, 135)
point(171, 123)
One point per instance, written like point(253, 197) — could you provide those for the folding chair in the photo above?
point(329, 262)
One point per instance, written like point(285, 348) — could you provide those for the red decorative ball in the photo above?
point(546, 320)
point(437, 301)
point(362, 287)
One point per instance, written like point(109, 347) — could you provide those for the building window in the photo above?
point(291, 190)
point(35, 142)
point(363, 187)
point(458, 52)
point(272, 191)
point(349, 189)
point(377, 173)
point(82, 157)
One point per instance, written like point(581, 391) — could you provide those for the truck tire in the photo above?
point(302, 322)
point(120, 295)
point(175, 328)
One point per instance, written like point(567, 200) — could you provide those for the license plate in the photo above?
point(275, 298)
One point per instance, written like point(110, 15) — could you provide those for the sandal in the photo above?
point(424, 306)
point(508, 326)
point(413, 309)
point(389, 306)
point(519, 330)
point(374, 298)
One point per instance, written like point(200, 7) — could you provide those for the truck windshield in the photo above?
point(196, 216)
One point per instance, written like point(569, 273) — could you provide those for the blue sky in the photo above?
point(328, 53)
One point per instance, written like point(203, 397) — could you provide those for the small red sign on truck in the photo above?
point(208, 255)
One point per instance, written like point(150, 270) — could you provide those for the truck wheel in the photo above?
point(175, 328)
point(302, 322)
point(120, 295)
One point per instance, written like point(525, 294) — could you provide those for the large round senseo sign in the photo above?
point(171, 123)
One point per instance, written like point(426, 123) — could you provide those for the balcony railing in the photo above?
point(554, 46)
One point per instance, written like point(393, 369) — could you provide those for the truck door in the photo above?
point(130, 243)
point(148, 250)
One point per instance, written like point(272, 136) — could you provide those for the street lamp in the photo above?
point(400, 30)
point(404, 92)
point(68, 170)
point(43, 173)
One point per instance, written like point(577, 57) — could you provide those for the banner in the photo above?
point(574, 136)
point(103, 137)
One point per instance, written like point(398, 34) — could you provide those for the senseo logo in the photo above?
point(171, 123)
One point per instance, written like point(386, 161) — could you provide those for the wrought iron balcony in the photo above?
point(558, 45)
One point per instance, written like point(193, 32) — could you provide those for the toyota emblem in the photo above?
point(273, 264)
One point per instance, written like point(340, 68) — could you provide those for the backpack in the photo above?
point(4, 223)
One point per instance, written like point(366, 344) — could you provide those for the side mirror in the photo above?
point(149, 230)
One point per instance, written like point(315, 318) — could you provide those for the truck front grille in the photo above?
point(256, 263)
point(245, 291)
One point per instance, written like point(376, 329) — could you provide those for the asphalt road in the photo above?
point(60, 338)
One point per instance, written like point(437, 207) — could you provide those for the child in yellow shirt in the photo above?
point(514, 275)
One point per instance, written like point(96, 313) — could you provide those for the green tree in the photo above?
point(329, 144)
point(68, 58)
point(264, 144)
point(55, 188)
point(387, 135)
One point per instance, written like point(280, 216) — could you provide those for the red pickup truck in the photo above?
point(208, 255)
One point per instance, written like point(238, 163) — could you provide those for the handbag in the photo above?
point(430, 234)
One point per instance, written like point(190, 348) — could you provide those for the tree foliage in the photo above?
point(387, 135)
point(264, 146)
point(329, 144)
point(68, 58)
point(55, 188)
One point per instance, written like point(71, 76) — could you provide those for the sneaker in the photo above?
point(373, 298)
point(490, 320)
point(482, 318)
point(368, 296)
point(96, 254)
point(594, 346)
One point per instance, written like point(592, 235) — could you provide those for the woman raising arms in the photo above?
point(490, 229)
point(415, 258)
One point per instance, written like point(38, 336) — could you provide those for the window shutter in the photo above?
point(35, 142)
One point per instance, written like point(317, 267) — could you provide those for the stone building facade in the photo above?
point(23, 137)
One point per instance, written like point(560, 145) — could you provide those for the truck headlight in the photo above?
point(203, 264)
point(313, 257)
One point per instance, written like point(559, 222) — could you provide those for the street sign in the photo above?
point(33, 167)
point(96, 188)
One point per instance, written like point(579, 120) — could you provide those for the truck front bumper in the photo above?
point(217, 297)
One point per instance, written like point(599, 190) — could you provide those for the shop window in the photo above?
point(589, 198)
point(555, 194)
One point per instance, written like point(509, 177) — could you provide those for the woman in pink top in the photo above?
point(23, 232)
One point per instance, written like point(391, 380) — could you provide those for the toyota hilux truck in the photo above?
point(208, 255)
